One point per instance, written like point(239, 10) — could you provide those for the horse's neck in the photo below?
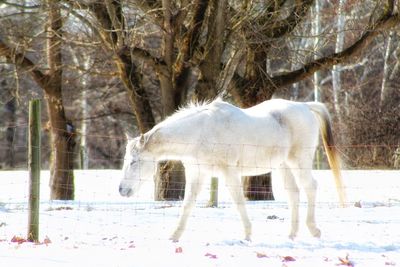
point(168, 144)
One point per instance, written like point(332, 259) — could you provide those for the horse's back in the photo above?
point(298, 126)
point(253, 139)
point(236, 125)
point(275, 119)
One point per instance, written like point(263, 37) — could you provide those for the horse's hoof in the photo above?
point(175, 237)
point(316, 233)
point(174, 240)
point(292, 236)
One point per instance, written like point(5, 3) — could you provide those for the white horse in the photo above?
point(219, 139)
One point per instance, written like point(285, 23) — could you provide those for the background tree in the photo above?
point(50, 80)
point(150, 57)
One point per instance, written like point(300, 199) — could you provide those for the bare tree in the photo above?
point(50, 80)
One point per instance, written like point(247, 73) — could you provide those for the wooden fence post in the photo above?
point(213, 193)
point(34, 169)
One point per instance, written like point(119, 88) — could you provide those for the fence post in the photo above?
point(34, 169)
point(214, 193)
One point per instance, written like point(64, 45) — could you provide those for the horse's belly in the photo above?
point(254, 171)
point(260, 160)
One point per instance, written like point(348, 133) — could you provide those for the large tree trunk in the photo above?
point(207, 87)
point(131, 78)
point(258, 187)
point(62, 146)
point(169, 181)
point(61, 132)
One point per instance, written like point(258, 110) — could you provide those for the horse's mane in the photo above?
point(191, 108)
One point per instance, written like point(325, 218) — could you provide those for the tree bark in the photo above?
point(258, 187)
point(169, 181)
point(61, 131)
point(62, 149)
point(210, 66)
point(131, 78)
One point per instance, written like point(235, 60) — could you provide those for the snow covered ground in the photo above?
point(100, 228)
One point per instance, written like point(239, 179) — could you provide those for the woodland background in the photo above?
point(106, 68)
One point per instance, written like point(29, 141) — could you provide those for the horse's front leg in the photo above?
point(192, 189)
point(233, 182)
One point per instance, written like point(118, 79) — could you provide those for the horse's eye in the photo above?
point(132, 162)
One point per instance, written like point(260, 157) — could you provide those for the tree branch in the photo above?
point(286, 26)
point(115, 15)
point(387, 21)
point(19, 5)
point(20, 60)
point(268, 25)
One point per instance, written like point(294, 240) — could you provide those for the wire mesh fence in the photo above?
point(100, 217)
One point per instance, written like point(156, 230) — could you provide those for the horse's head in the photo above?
point(136, 168)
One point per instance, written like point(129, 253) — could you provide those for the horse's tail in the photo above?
point(331, 151)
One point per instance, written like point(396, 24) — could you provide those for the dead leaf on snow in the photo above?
point(261, 255)
point(288, 258)
point(46, 241)
point(345, 261)
point(19, 240)
point(211, 256)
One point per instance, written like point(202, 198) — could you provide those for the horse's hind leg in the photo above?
point(233, 182)
point(193, 187)
point(292, 191)
point(305, 178)
point(310, 187)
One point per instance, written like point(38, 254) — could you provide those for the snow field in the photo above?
point(100, 228)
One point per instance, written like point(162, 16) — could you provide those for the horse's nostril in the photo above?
point(126, 192)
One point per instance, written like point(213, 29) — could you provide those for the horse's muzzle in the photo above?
point(125, 192)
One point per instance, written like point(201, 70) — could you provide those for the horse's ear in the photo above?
point(142, 140)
